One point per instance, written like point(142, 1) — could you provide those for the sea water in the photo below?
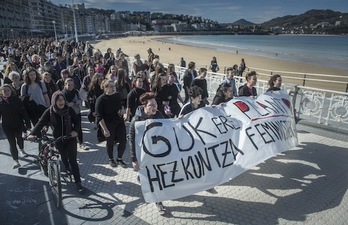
point(331, 51)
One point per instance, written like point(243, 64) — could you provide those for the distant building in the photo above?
point(44, 15)
point(14, 18)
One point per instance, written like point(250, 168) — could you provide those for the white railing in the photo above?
point(335, 82)
point(313, 105)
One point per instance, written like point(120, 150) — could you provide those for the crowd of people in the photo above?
point(45, 83)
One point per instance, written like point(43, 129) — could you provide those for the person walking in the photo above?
point(275, 83)
point(214, 67)
point(14, 120)
point(195, 94)
point(74, 101)
point(34, 95)
point(109, 113)
point(148, 110)
point(224, 94)
point(64, 122)
point(201, 82)
point(249, 89)
point(133, 97)
point(189, 75)
point(242, 67)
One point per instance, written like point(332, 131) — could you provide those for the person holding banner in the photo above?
point(248, 89)
point(224, 94)
point(148, 110)
point(195, 94)
point(275, 82)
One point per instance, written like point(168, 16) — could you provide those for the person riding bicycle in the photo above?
point(64, 122)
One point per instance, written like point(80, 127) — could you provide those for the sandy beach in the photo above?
point(171, 53)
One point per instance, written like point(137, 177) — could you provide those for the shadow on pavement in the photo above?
point(289, 186)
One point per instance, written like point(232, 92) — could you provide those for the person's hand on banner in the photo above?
point(135, 166)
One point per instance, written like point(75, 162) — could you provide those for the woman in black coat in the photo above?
point(13, 115)
point(224, 94)
point(109, 113)
point(64, 122)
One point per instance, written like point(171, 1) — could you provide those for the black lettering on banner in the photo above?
point(155, 139)
point(235, 150)
point(225, 154)
point(205, 163)
point(197, 131)
point(174, 171)
point(282, 129)
point(186, 166)
point(177, 141)
point(250, 135)
point(231, 124)
point(156, 178)
point(223, 124)
point(276, 129)
point(162, 176)
point(212, 148)
point(263, 134)
point(274, 106)
point(193, 167)
point(198, 167)
point(267, 126)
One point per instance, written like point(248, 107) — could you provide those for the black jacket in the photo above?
point(244, 91)
point(139, 116)
point(59, 128)
point(107, 108)
point(13, 113)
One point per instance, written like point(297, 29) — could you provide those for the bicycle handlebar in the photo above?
point(51, 140)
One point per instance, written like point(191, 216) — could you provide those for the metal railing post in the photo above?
point(304, 80)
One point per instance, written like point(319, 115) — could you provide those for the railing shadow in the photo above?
point(290, 186)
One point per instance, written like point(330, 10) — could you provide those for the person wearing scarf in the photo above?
point(74, 101)
point(63, 121)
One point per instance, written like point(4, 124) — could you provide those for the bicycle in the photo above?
point(48, 159)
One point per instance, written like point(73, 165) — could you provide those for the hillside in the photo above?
point(308, 18)
point(243, 22)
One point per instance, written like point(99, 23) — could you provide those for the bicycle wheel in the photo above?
point(55, 183)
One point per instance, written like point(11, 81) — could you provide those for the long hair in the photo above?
point(26, 76)
point(94, 81)
point(121, 78)
point(272, 79)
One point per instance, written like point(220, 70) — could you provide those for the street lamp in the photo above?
point(55, 32)
point(66, 31)
point(75, 28)
point(12, 33)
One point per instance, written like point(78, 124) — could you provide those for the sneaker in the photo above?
point(112, 163)
point(23, 153)
point(160, 208)
point(84, 147)
point(121, 163)
point(16, 164)
point(79, 188)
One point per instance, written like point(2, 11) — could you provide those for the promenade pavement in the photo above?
point(304, 185)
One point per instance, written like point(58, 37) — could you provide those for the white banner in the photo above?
point(210, 146)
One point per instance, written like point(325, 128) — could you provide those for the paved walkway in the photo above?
point(305, 185)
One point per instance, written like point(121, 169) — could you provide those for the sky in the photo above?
point(222, 11)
